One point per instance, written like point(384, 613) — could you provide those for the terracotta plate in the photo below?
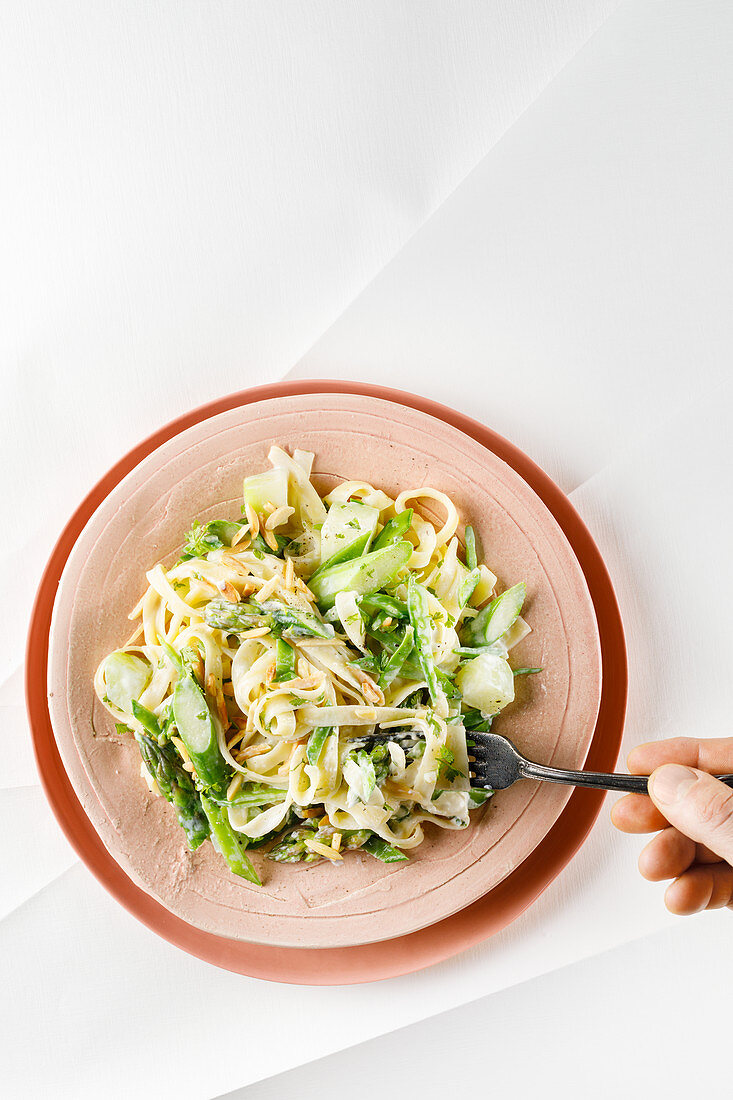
point(198, 473)
point(386, 958)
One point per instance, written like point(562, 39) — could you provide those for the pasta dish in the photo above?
point(307, 677)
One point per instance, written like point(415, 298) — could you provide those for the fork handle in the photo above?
point(605, 781)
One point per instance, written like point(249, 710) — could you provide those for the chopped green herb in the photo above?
point(210, 536)
point(446, 757)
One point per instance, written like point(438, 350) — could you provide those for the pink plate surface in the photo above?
point(198, 473)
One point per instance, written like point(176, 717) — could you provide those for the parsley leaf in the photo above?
point(446, 756)
point(209, 536)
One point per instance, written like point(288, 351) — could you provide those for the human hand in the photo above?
point(692, 814)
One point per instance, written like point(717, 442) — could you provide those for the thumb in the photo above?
point(697, 804)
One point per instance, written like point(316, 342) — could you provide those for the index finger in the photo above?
point(713, 754)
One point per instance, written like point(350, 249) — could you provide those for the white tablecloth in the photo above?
point(489, 204)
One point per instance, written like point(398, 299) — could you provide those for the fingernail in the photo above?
point(671, 782)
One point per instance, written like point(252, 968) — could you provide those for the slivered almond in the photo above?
point(234, 786)
point(211, 685)
point(267, 589)
point(303, 683)
point(222, 709)
point(235, 740)
point(371, 692)
point(387, 622)
point(228, 689)
point(268, 507)
point(322, 849)
point(336, 842)
point(241, 539)
point(278, 516)
point(229, 592)
point(289, 573)
point(182, 749)
point(271, 541)
point(255, 632)
point(252, 519)
point(312, 811)
point(302, 587)
point(270, 674)
point(254, 750)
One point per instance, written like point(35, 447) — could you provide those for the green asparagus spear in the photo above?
point(411, 670)
point(291, 847)
point(231, 843)
point(393, 664)
point(471, 559)
point(238, 617)
point(468, 584)
point(378, 601)
point(380, 849)
point(363, 575)
point(316, 741)
point(355, 838)
point(417, 604)
point(172, 654)
point(394, 530)
point(198, 731)
point(174, 783)
point(284, 661)
point(347, 553)
point(255, 794)
point(147, 719)
point(496, 618)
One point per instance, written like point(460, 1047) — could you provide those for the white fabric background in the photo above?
point(192, 194)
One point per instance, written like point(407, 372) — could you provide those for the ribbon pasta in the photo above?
point(337, 693)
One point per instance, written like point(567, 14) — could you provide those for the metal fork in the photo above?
point(495, 763)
